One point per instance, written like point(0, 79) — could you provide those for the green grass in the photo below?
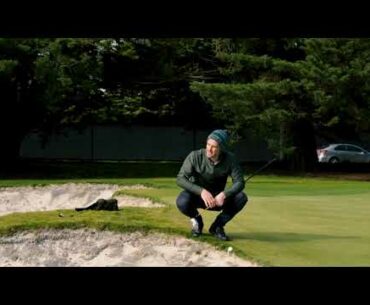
point(288, 221)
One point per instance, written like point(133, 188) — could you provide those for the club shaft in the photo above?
point(260, 169)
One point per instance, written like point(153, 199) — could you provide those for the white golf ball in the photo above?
point(230, 249)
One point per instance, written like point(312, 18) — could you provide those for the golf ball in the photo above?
point(230, 249)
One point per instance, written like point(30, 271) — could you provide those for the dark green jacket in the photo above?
point(198, 172)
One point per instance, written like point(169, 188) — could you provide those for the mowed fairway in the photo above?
point(292, 221)
point(305, 222)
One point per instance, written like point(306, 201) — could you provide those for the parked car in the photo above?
point(336, 153)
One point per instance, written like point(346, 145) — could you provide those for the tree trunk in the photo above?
point(281, 142)
point(304, 157)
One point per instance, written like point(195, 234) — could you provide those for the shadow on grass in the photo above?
point(286, 237)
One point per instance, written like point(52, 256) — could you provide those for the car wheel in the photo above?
point(333, 160)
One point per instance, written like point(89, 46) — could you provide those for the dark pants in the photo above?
point(188, 203)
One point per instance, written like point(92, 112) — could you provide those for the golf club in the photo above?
point(260, 169)
point(257, 171)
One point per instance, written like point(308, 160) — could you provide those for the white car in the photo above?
point(336, 153)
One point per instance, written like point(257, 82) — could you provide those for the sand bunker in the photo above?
point(86, 247)
point(64, 196)
point(96, 248)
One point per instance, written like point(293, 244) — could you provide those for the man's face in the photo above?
point(212, 149)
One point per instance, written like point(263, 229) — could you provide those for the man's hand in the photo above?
point(208, 199)
point(220, 199)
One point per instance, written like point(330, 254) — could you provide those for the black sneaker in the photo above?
point(197, 226)
point(218, 232)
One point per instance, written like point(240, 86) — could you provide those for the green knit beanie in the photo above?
point(221, 137)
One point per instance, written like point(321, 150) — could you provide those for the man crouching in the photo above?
point(203, 177)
